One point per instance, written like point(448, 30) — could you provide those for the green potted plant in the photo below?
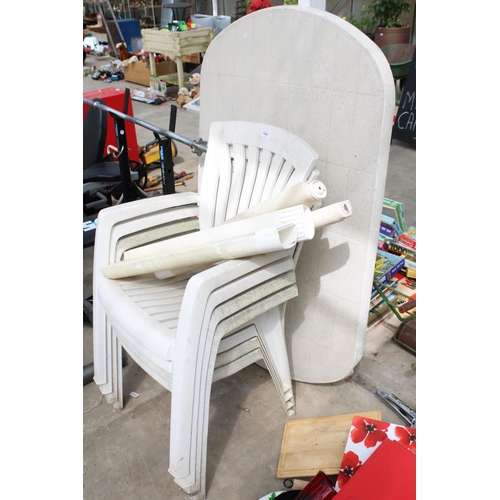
point(380, 20)
point(389, 28)
point(365, 22)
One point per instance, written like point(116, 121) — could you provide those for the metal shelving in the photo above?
point(145, 11)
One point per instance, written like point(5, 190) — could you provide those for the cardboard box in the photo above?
point(400, 249)
point(192, 58)
point(393, 264)
point(411, 269)
point(140, 72)
point(390, 223)
point(389, 232)
point(409, 238)
point(395, 209)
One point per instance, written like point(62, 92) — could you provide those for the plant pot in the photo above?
point(390, 36)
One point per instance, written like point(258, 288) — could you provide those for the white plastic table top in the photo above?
point(332, 86)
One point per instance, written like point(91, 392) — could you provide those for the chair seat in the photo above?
point(148, 301)
point(105, 172)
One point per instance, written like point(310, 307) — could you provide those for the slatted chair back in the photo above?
point(247, 163)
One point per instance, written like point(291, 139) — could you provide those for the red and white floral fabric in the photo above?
point(365, 436)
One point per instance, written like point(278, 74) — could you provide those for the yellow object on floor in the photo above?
point(153, 181)
point(150, 153)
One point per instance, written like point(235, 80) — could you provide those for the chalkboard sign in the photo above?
point(405, 126)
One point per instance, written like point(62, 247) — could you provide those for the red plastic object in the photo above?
point(388, 474)
point(114, 98)
point(321, 487)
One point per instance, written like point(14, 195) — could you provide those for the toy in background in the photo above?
point(92, 45)
point(143, 56)
point(123, 52)
point(126, 57)
point(107, 73)
point(183, 96)
point(194, 80)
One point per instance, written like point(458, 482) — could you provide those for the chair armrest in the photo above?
point(126, 226)
point(226, 284)
point(145, 206)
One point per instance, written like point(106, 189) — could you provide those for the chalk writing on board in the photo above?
point(405, 125)
point(407, 119)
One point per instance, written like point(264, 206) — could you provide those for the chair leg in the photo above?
point(270, 326)
point(103, 350)
point(192, 430)
point(197, 344)
point(197, 496)
point(190, 406)
point(190, 413)
point(116, 396)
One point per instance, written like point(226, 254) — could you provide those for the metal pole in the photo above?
point(198, 146)
point(119, 31)
point(337, 4)
point(110, 39)
point(167, 165)
point(121, 142)
point(153, 11)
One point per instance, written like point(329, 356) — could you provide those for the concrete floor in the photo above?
point(126, 454)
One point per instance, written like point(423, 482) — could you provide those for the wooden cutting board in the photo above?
point(314, 444)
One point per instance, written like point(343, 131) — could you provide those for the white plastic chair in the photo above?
point(191, 330)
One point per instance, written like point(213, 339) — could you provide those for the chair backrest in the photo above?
point(95, 127)
point(247, 163)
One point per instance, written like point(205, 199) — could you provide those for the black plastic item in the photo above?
point(405, 126)
point(173, 118)
point(88, 311)
point(88, 370)
point(88, 373)
point(288, 495)
point(96, 166)
point(88, 317)
point(98, 169)
point(95, 128)
point(166, 165)
point(121, 142)
point(166, 159)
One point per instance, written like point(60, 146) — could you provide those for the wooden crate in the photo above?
point(192, 58)
point(177, 43)
point(139, 72)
